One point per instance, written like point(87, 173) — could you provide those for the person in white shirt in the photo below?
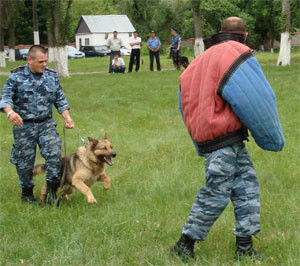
point(135, 44)
point(118, 64)
point(114, 44)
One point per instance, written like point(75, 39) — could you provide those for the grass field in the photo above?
point(100, 64)
point(155, 179)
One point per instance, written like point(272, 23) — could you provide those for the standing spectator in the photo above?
point(153, 45)
point(135, 44)
point(114, 44)
point(118, 64)
point(175, 47)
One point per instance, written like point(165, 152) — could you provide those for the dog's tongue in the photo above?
point(108, 160)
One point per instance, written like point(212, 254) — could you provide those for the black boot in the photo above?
point(244, 248)
point(184, 248)
point(27, 196)
point(51, 197)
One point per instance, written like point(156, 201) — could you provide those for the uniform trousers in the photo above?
point(229, 176)
point(156, 55)
point(135, 55)
point(26, 138)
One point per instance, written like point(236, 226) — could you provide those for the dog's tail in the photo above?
point(39, 169)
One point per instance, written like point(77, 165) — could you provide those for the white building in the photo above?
point(96, 29)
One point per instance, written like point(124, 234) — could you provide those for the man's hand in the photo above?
point(16, 119)
point(69, 123)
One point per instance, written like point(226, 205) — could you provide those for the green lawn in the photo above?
point(155, 179)
point(97, 64)
point(100, 64)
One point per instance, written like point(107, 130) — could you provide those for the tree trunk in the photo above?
point(199, 44)
point(61, 59)
point(272, 44)
point(11, 42)
point(284, 57)
point(12, 55)
point(51, 51)
point(51, 54)
point(2, 54)
point(61, 51)
point(36, 37)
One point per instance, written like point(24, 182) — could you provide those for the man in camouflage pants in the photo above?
point(230, 175)
point(27, 98)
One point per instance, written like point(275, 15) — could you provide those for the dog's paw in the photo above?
point(92, 200)
point(66, 197)
point(106, 186)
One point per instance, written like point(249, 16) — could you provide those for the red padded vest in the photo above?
point(206, 115)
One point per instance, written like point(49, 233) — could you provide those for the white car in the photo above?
point(74, 53)
point(125, 51)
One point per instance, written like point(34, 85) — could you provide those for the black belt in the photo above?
point(223, 141)
point(36, 121)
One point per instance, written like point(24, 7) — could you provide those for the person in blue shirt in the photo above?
point(175, 47)
point(153, 45)
point(27, 98)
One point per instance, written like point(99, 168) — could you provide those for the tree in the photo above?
point(199, 44)
point(51, 43)
point(36, 36)
point(11, 10)
point(284, 57)
point(59, 29)
point(90, 7)
point(142, 14)
point(2, 53)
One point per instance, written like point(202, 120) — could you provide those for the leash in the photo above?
point(62, 181)
point(65, 153)
point(80, 137)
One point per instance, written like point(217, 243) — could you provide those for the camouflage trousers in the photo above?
point(26, 138)
point(229, 176)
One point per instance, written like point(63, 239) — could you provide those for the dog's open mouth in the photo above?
point(108, 160)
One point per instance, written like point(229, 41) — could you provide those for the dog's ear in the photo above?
point(105, 136)
point(92, 140)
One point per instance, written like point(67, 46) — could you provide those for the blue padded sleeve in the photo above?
point(253, 100)
point(181, 112)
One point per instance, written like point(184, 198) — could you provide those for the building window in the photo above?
point(80, 42)
point(86, 41)
point(130, 34)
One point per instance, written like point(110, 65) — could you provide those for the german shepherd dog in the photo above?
point(83, 168)
point(180, 60)
point(184, 61)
